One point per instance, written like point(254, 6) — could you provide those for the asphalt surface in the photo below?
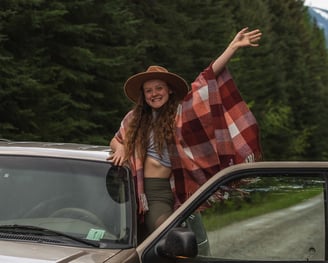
point(294, 233)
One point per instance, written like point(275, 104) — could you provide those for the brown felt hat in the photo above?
point(133, 86)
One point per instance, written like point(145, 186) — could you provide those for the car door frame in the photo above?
point(147, 249)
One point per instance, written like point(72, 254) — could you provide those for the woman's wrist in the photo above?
point(233, 47)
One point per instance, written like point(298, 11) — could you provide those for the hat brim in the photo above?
point(133, 86)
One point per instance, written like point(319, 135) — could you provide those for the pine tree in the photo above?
point(67, 54)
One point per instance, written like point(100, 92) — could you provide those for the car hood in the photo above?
point(39, 253)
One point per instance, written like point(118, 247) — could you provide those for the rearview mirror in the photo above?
point(117, 183)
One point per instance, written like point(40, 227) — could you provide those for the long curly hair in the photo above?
point(143, 122)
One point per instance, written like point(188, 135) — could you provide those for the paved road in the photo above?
point(293, 233)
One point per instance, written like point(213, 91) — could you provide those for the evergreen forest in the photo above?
point(63, 65)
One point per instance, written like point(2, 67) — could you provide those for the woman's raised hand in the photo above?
point(246, 38)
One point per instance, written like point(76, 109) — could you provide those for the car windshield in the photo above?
point(86, 200)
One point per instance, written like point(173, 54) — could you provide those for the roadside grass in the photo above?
point(235, 210)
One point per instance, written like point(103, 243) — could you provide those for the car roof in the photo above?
point(54, 149)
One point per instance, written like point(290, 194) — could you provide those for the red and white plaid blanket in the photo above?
point(214, 129)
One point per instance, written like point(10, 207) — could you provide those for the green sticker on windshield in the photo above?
point(95, 234)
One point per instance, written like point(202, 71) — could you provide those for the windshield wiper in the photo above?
point(44, 232)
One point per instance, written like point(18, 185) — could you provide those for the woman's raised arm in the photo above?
point(242, 39)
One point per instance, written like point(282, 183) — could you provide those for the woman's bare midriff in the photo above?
point(154, 169)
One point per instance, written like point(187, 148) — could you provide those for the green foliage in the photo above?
point(63, 65)
point(61, 58)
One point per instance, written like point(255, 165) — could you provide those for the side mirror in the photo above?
point(179, 243)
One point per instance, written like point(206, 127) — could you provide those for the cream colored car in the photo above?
point(66, 203)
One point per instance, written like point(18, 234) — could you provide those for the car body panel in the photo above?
point(61, 150)
point(11, 251)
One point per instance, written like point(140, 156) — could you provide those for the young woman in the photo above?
point(174, 139)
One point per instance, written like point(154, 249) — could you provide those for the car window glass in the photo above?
point(66, 195)
point(263, 218)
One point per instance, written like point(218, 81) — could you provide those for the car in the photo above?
point(64, 202)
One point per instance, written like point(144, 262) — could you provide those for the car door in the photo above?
point(254, 212)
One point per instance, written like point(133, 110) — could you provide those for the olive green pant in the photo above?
point(160, 202)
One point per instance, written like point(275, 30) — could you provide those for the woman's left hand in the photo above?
point(246, 38)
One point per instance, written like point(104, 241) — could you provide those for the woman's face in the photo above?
point(156, 93)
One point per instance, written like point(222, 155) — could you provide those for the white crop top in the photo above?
point(164, 159)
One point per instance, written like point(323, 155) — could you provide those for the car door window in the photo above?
point(278, 217)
